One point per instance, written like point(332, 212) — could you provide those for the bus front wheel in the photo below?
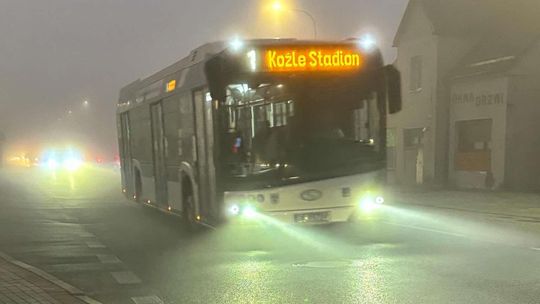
point(188, 214)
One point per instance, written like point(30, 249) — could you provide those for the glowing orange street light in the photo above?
point(278, 6)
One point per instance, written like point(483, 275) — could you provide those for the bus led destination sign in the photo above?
point(312, 59)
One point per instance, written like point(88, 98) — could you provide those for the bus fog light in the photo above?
point(234, 210)
point(368, 204)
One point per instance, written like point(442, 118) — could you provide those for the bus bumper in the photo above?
point(309, 216)
point(318, 216)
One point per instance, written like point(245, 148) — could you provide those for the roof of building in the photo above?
point(513, 34)
point(500, 30)
point(455, 17)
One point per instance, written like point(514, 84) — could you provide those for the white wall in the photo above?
point(416, 38)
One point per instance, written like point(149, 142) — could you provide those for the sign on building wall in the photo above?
point(478, 99)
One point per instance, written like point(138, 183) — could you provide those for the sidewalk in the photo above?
point(513, 204)
point(24, 284)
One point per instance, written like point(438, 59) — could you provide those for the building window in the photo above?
point(415, 79)
point(473, 151)
point(412, 138)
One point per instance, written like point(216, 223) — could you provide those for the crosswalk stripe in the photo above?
point(126, 277)
point(108, 259)
point(153, 299)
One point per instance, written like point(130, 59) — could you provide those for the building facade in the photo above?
point(469, 77)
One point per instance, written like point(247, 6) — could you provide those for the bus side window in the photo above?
point(186, 128)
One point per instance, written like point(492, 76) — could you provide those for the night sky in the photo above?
point(54, 54)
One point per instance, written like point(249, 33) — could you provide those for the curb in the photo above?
point(72, 290)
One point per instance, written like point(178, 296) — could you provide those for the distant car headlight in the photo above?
point(52, 164)
point(72, 164)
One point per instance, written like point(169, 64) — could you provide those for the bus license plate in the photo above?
point(314, 217)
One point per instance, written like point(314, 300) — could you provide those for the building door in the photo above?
point(158, 152)
point(413, 156)
point(204, 133)
point(473, 153)
point(125, 153)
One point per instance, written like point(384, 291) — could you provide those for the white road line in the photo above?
point(147, 300)
point(535, 248)
point(86, 235)
point(94, 244)
point(88, 300)
point(126, 277)
point(430, 230)
point(108, 259)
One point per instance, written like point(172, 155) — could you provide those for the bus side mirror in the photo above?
point(214, 70)
point(393, 88)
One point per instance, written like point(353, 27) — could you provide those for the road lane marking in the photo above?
point(108, 259)
point(79, 267)
point(94, 244)
point(86, 235)
point(126, 277)
point(148, 300)
point(535, 248)
point(88, 300)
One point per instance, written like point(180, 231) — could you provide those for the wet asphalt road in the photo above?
point(79, 228)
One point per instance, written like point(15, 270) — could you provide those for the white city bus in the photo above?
point(286, 129)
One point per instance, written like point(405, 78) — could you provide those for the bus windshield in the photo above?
point(283, 133)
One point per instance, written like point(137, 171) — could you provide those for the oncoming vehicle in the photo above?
point(279, 129)
point(61, 159)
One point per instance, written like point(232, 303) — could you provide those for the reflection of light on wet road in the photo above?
point(479, 227)
point(303, 236)
point(87, 182)
point(366, 280)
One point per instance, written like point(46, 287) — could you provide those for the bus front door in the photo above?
point(204, 134)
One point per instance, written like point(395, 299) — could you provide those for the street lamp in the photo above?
point(278, 6)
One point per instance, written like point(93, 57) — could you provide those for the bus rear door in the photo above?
point(158, 152)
